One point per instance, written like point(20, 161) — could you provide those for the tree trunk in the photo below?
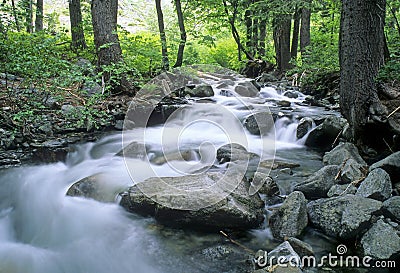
point(77, 33)
point(305, 28)
point(14, 11)
point(282, 42)
point(249, 27)
point(27, 4)
point(181, 22)
point(263, 35)
point(163, 37)
point(39, 16)
point(255, 38)
point(295, 37)
point(361, 56)
point(104, 20)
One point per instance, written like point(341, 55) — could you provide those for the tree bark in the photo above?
point(77, 33)
point(182, 42)
point(305, 28)
point(14, 10)
point(249, 27)
point(282, 27)
point(296, 31)
point(163, 37)
point(27, 4)
point(39, 16)
point(104, 21)
point(263, 35)
point(361, 55)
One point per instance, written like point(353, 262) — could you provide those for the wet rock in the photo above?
point(246, 89)
point(261, 123)
point(283, 103)
point(7, 139)
point(265, 184)
point(291, 94)
point(391, 165)
point(381, 241)
point(300, 247)
point(290, 219)
point(217, 252)
point(51, 150)
point(337, 190)
point(352, 171)
point(168, 199)
point(303, 127)
point(133, 150)
point(202, 90)
point(267, 77)
point(325, 134)
point(119, 125)
point(318, 184)
point(285, 253)
point(341, 153)
point(233, 152)
point(391, 208)
point(377, 185)
point(345, 216)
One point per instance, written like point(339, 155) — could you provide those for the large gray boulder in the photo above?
point(353, 171)
point(377, 185)
point(391, 165)
point(318, 184)
point(381, 241)
point(337, 190)
point(305, 124)
point(342, 152)
point(285, 253)
point(290, 219)
point(261, 123)
point(391, 208)
point(202, 90)
point(344, 216)
point(203, 201)
point(325, 134)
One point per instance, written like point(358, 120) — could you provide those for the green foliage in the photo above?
point(225, 54)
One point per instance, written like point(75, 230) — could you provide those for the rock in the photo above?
point(381, 241)
point(204, 201)
point(119, 125)
point(201, 91)
point(233, 152)
point(391, 165)
point(318, 184)
point(283, 103)
point(133, 150)
point(217, 252)
point(67, 109)
point(92, 88)
point(50, 151)
point(344, 216)
point(290, 219)
point(265, 184)
point(51, 102)
point(86, 66)
point(352, 171)
point(391, 208)
point(261, 123)
point(341, 153)
point(377, 185)
point(337, 190)
point(267, 77)
point(246, 89)
point(291, 94)
point(303, 127)
point(325, 134)
point(300, 247)
point(285, 253)
point(97, 187)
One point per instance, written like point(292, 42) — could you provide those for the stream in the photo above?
point(43, 230)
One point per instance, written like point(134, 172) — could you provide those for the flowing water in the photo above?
point(43, 230)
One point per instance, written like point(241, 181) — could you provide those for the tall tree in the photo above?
point(39, 16)
point(104, 20)
point(77, 33)
point(28, 13)
point(163, 37)
point(182, 42)
point(361, 56)
point(282, 25)
point(295, 36)
point(14, 10)
point(305, 28)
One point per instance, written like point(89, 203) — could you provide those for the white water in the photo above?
point(42, 230)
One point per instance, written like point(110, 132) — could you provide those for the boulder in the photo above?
point(352, 171)
point(301, 248)
point(391, 208)
point(133, 150)
point(286, 255)
point(337, 190)
point(377, 185)
point(318, 184)
point(344, 216)
point(208, 201)
point(246, 89)
point(233, 152)
point(391, 165)
point(202, 90)
point(291, 94)
point(304, 126)
point(265, 184)
point(261, 123)
point(324, 135)
point(381, 241)
point(342, 152)
point(290, 219)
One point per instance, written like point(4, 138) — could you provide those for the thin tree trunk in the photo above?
point(296, 31)
point(77, 33)
point(163, 37)
point(393, 11)
point(14, 10)
point(282, 42)
point(256, 37)
point(235, 33)
point(182, 30)
point(361, 56)
point(305, 28)
point(263, 35)
point(249, 27)
point(39, 16)
point(28, 15)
